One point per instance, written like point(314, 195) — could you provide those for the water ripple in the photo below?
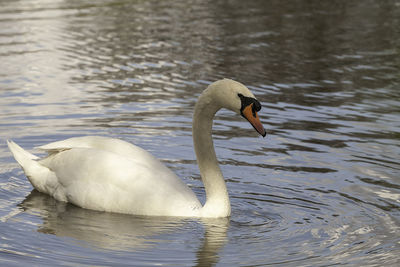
point(321, 188)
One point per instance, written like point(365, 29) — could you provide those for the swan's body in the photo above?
point(112, 175)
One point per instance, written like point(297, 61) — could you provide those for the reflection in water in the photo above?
point(215, 237)
point(120, 232)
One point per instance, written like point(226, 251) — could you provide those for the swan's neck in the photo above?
point(217, 202)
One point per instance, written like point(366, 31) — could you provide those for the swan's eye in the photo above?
point(248, 101)
point(257, 105)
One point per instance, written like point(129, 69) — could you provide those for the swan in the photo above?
point(112, 175)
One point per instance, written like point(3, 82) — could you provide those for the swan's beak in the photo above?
point(251, 115)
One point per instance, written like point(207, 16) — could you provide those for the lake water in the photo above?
point(322, 189)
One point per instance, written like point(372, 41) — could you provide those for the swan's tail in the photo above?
point(22, 156)
point(36, 173)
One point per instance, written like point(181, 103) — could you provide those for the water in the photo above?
point(321, 189)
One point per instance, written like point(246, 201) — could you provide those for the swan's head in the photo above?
point(238, 98)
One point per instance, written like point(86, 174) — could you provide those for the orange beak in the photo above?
point(251, 115)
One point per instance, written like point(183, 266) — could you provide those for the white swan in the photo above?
point(108, 174)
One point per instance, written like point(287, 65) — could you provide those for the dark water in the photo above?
point(322, 189)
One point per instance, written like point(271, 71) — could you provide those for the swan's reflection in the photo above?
point(114, 231)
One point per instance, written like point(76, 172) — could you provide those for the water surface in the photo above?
point(321, 189)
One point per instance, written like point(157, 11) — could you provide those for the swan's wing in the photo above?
point(99, 142)
point(102, 180)
point(113, 145)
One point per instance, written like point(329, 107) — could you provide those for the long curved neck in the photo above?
point(217, 203)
